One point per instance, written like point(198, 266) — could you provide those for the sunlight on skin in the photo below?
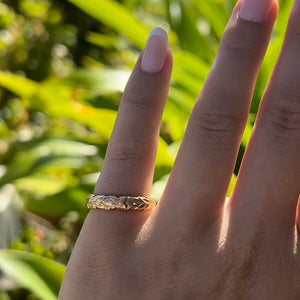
point(295, 245)
point(147, 229)
point(224, 227)
point(296, 239)
point(145, 233)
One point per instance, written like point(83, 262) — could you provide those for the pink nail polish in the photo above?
point(255, 10)
point(155, 52)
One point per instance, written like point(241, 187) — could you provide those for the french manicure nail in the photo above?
point(155, 52)
point(255, 10)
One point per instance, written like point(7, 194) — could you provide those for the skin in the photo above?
point(182, 249)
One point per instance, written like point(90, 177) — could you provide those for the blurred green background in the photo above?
point(63, 67)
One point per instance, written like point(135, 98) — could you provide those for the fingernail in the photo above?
point(255, 10)
point(155, 52)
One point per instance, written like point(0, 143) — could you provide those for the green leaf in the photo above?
point(158, 187)
point(117, 17)
point(231, 185)
point(61, 103)
point(65, 103)
point(4, 296)
point(71, 199)
point(66, 147)
point(105, 41)
point(213, 12)
point(20, 86)
point(48, 153)
point(97, 81)
point(183, 20)
point(163, 157)
point(40, 275)
point(247, 134)
point(191, 63)
point(41, 184)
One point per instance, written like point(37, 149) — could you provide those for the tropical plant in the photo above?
point(63, 67)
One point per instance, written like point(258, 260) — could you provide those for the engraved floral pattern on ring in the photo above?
point(122, 202)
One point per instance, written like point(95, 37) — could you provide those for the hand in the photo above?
point(194, 245)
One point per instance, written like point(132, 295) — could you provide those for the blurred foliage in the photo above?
point(63, 67)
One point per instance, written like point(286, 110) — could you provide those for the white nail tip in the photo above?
point(158, 31)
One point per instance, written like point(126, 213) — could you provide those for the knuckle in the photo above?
point(140, 100)
point(215, 130)
point(237, 49)
point(283, 115)
point(240, 41)
point(129, 152)
point(216, 124)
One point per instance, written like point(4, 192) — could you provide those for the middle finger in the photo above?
point(205, 162)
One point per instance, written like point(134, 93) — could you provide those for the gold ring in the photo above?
point(122, 202)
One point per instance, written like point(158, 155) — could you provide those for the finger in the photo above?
point(205, 162)
point(128, 165)
point(270, 172)
point(130, 157)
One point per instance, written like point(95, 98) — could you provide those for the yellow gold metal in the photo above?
point(122, 202)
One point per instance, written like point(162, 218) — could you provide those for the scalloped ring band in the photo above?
point(122, 202)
